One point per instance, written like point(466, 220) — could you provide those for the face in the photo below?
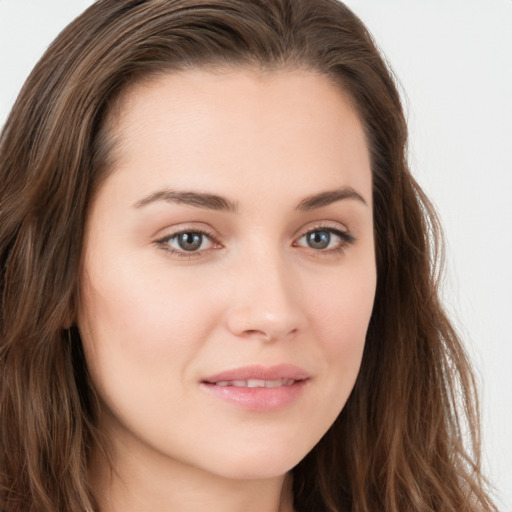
point(229, 270)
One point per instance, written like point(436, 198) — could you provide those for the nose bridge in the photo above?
point(264, 300)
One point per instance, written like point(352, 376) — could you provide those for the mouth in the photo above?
point(254, 383)
point(259, 376)
point(259, 388)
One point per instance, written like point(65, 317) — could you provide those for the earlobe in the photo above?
point(67, 325)
point(69, 319)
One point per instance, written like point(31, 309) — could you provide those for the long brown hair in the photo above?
point(398, 443)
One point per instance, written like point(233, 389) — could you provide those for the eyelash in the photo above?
point(346, 239)
point(163, 243)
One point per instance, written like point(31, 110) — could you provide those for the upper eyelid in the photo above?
point(169, 232)
point(326, 225)
point(204, 229)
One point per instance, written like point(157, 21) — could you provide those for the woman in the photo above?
point(218, 275)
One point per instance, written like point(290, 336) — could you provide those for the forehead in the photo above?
point(197, 126)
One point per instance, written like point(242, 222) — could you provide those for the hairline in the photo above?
point(108, 138)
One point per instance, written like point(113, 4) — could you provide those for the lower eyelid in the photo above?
point(164, 242)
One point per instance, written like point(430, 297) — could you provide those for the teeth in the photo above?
point(273, 383)
point(256, 383)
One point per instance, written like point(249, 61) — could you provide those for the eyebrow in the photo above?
point(219, 203)
point(330, 196)
point(197, 199)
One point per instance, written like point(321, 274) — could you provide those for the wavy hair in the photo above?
point(398, 443)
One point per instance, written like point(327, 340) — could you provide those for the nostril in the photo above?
point(256, 333)
point(267, 336)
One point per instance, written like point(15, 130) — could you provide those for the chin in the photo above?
point(257, 462)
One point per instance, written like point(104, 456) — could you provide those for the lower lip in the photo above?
point(258, 399)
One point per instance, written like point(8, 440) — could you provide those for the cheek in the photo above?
point(138, 322)
point(340, 315)
point(342, 307)
point(141, 335)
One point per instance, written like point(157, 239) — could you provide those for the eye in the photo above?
point(318, 239)
point(325, 239)
point(190, 241)
point(187, 242)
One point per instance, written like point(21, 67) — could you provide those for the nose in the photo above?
point(265, 301)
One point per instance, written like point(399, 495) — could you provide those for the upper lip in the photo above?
point(260, 372)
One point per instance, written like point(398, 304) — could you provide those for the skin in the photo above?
point(155, 323)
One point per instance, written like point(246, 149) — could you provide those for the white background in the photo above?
point(454, 62)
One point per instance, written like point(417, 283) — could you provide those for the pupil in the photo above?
point(190, 241)
point(319, 239)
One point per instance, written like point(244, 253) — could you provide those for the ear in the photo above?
point(69, 317)
point(67, 324)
